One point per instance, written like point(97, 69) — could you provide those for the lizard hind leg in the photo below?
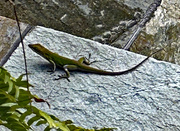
point(85, 60)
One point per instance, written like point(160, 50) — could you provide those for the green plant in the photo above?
point(16, 112)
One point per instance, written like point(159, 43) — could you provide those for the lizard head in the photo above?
point(41, 50)
point(38, 48)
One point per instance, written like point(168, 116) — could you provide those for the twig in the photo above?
point(24, 53)
point(149, 12)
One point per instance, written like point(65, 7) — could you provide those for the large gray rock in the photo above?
point(82, 18)
point(145, 99)
point(107, 21)
point(9, 37)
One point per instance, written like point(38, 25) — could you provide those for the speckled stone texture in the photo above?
point(8, 35)
point(146, 99)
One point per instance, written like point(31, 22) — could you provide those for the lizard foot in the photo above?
point(62, 76)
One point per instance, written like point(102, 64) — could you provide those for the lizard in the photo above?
point(79, 65)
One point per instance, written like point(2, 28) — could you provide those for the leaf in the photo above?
point(10, 86)
point(20, 77)
point(17, 92)
point(8, 104)
point(47, 128)
point(37, 99)
point(14, 124)
point(6, 79)
point(22, 83)
point(68, 122)
point(25, 114)
point(62, 126)
point(24, 97)
point(33, 119)
point(3, 111)
point(48, 118)
point(55, 118)
point(41, 122)
point(8, 96)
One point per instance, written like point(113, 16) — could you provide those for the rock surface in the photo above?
point(8, 37)
point(81, 18)
point(110, 22)
point(146, 99)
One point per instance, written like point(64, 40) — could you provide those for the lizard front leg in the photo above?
point(54, 67)
point(67, 73)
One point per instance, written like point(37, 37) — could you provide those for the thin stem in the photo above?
point(24, 53)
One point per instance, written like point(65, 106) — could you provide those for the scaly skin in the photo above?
point(80, 65)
